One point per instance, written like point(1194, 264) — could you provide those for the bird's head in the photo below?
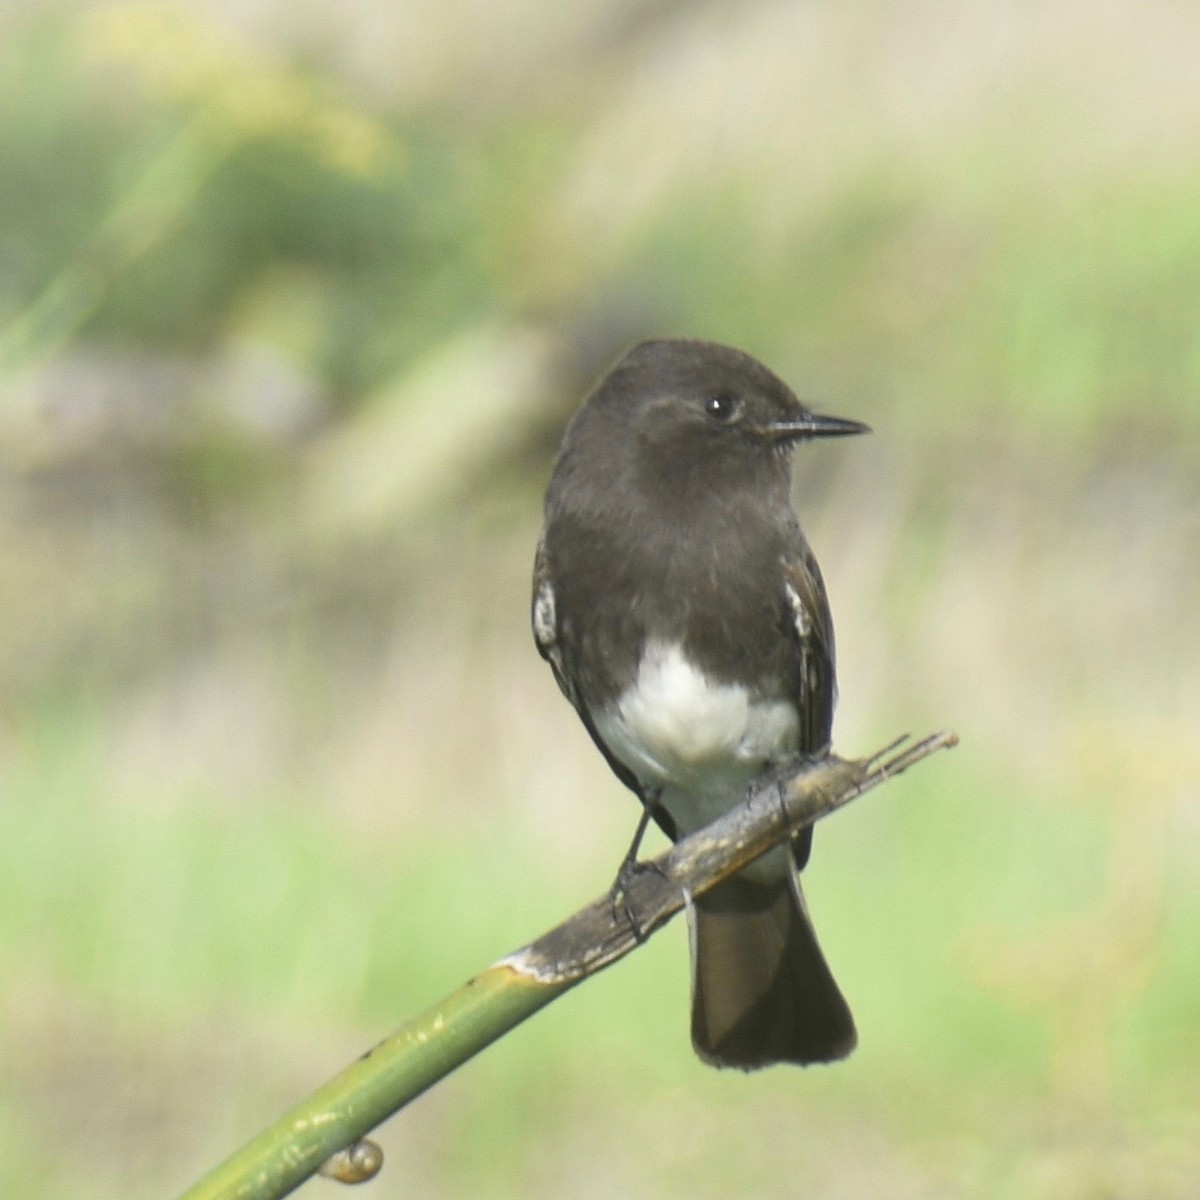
point(700, 410)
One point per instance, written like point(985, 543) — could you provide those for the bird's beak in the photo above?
point(814, 425)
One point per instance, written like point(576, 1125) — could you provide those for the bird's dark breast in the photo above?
point(719, 597)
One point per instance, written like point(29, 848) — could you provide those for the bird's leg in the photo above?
point(629, 862)
point(618, 893)
point(779, 778)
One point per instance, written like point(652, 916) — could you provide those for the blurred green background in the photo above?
point(295, 301)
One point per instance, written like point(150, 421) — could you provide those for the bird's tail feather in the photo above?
point(761, 990)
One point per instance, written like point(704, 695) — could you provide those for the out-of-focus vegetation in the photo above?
point(293, 306)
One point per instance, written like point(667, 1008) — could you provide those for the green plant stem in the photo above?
point(445, 1035)
point(367, 1092)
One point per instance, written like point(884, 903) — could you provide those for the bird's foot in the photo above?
point(618, 894)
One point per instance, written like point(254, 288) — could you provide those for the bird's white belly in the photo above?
point(676, 729)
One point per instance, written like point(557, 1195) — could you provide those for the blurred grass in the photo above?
point(293, 314)
point(200, 911)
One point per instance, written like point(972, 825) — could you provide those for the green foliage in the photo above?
point(283, 354)
point(166, 909)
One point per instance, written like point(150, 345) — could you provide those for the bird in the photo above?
point(685, 618)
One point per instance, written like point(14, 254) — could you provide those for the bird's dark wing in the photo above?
point(812, 632)
point(543, 616)
point(547, 627)
point(811, 628)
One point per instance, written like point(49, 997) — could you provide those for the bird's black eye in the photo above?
point(721, 406)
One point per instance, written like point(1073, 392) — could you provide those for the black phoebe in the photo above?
point(685, 618)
